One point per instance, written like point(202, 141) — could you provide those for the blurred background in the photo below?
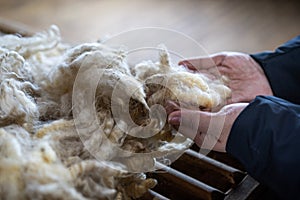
point(221, 25)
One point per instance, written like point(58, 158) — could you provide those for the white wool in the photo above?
point(27, 166)
point(52, 191)
point(181, 85)
point(190, 88)
point(15, 103)
point(9, 146)
point(31, 45)
point(13, 65)
point(146, 69)
point(42, 155)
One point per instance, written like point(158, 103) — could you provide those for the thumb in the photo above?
point(203, 62)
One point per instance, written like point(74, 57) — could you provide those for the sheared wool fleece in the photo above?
point(42, 156)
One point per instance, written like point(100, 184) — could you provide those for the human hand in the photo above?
point(246, 79)
point(208, 130)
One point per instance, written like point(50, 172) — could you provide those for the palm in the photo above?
point(245, 77)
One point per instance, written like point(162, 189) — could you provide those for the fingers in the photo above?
point(187, 122)
point(223, 70)
point(171, 106)
point(175, 118)
point(195, 125)
point(208, 130)
point(203, 62)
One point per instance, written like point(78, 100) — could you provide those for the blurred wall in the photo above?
point(247, 26)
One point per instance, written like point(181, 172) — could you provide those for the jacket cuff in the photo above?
point(247, 142)
point(282, 66)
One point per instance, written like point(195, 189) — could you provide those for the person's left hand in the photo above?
point(208, 130)
point(244, 76)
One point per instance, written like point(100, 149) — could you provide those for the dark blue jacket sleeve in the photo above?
point(266, 139)
point(282, 68)
point(266, 135)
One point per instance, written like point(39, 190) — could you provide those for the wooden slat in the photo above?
point(152, 195)
point(176, 185)
point(209, 171)
point(227, 159)
point(157, 196)
point(221, 157)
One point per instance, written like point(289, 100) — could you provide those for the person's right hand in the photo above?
point(246, 79)
point(208, 130)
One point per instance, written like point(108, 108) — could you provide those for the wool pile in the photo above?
point(43, 155)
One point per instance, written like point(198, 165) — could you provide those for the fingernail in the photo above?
point(183, 63)
point(174, 120)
